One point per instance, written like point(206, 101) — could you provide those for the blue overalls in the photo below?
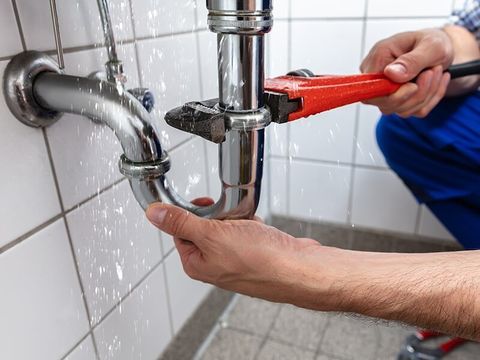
point(438, 158)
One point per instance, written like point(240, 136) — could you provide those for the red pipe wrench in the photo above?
point(301, 94)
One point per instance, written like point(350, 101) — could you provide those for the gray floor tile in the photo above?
point(470, 351)
point(367, 241)
point(331, 235)
point(391, 339)
point(299, 327)
point(417, 246)
point(273, 350)
point(293, 227)
point(253, 315)
point(231, 344)
point(350, 338)
point(327, 357)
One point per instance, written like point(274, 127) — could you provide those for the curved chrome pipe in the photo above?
point(144, 162)
point(104, 102)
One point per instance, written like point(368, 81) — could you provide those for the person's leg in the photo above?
point(436, 158)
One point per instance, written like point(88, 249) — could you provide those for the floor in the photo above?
point(252, 329)
point(256, 329)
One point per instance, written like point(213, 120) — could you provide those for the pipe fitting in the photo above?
point(246, 17)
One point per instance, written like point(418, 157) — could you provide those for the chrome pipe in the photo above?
point(56, 34)
point(103, 102)
point(144, 162)
point(114, 67)
point(241, 72)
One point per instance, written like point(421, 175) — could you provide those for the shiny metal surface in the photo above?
point(241, 71)
point(18, 79)
point(103, 101)
point(144, 162)
point(241, 168)
point(56, 33)
point(114, 66)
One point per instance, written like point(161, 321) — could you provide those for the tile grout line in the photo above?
point(288, 149)
point(10, 245)
point(72, 349)
point(65, 212)
point(114, 307)
point(69, 236)
point(331, 163)
point(267, 334)
point(216, 329)
point(19, 25)
point(357, 123)
point(167, 295)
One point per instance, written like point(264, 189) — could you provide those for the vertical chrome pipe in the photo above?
point(56, 34)
point(108, 30)
point(114, 66)
point(241, 71)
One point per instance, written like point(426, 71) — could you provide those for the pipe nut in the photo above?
point(144, 170)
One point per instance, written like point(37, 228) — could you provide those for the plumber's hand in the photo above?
point(242, 256)
point(403, 57)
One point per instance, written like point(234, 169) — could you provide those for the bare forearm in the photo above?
point(435, 291)
point(465, 48)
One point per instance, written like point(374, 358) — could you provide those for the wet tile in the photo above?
point(350, 338)
point(330, 235)
point(299, 327)
point(273, 350)
point(253, 315)
point(231, 344)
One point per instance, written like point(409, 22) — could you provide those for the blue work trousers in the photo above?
point(438, 158)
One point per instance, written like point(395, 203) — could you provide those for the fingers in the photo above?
point(430, 51)
point(416, 99)
point(439, 95)
point(178, 222)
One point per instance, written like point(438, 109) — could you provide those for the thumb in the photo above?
point(407, 66)
point(177, 222)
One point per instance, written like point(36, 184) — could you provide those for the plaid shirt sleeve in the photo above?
point(468, 16)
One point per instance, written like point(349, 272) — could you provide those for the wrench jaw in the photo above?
point(202, 118)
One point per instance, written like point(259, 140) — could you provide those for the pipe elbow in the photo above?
point(106, 103)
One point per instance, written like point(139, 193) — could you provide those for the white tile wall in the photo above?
point(380, 200)
point(367, 150)
point(139, 328)
point(84, 351)
point(27, 194)
point(157, 17)
point(10, 42)
point(169, 68)
point(185, 293)
point(413, 8)
point(330, 186)
point(79, 22)
point(86, 154)
point(42, 310)
point(322, 9)
point(115, 247)
point(330, 54)
point(43, 313)
point(327, 136)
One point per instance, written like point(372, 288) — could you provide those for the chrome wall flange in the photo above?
point(18, 80)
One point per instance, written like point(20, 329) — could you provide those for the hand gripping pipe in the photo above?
point(37, 92)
